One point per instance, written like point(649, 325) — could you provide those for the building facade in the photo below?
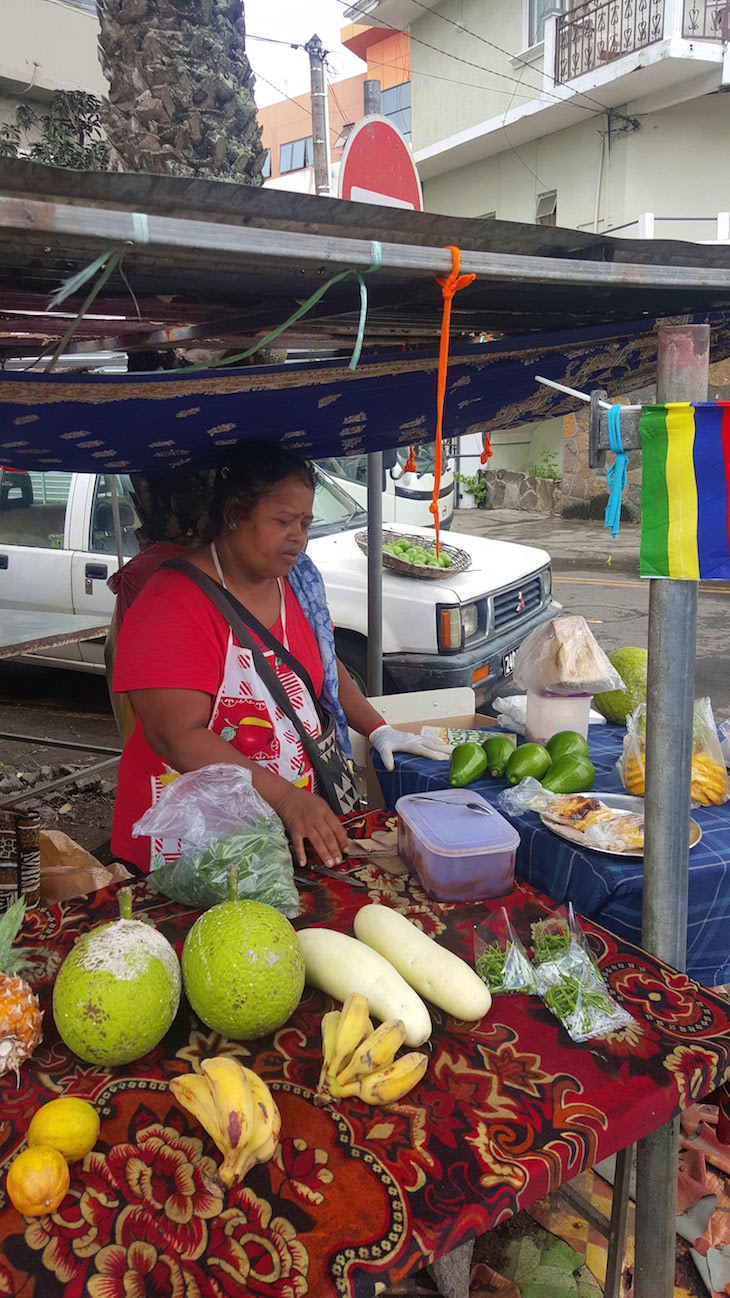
point(47, 45)
point(287, 124)
point(610, 116)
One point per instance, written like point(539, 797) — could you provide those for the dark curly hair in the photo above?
point(249, 472)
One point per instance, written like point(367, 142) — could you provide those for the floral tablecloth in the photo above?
point(355, 1197)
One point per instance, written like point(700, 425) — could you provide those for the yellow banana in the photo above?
point(390, 1084)
point(329, 1033)
point(353, 1027)
point(234, 1104)
point(266, 1126)
point(194, 1093)
point(376, 1052)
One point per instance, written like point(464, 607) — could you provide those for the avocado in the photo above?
point(468, 762)
point(566, 742)
point(571, 774)
point(499, 749)
point(528, 759)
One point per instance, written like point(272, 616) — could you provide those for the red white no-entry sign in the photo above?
point(377, 167)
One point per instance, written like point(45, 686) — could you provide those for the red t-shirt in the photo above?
point(174, 638)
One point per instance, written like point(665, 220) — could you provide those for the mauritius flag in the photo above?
point(685, 491)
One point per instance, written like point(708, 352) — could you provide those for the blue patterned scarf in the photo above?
point(308, 586)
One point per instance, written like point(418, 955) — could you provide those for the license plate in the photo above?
point(508, 663)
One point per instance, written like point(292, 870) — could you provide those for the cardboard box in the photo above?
point(472, 721)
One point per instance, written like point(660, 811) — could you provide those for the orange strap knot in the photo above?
point(487, 453)
point(450, 286)
point(410, 465)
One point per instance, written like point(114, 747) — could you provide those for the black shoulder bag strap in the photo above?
point(239, 620)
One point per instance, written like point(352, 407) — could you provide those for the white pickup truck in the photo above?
point(57, 550)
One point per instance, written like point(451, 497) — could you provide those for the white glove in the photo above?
point(386, 741)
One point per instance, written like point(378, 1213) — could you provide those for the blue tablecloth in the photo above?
point(604, 888)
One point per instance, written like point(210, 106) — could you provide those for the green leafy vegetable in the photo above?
point(199, 878)
point(490, 967)
point(577, 1004)
point(549, 942)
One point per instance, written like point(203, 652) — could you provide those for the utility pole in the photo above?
point(320, 143)
point(371, 104)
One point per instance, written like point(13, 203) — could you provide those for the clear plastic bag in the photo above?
point(511, 713)
point(220, 820)
point(500, 958)
point(710, 783)
point(709, 776)
point(622, 833)
point(569, 981)
point(563, 657)
point(725, 741)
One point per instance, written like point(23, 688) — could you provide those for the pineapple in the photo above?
point(20, 1013)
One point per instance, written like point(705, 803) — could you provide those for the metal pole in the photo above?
point(682, 375)
point(371, 105)
point(372, 98)
point(117, 519)
point(320, 143)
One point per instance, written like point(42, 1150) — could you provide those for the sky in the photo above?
point(294, 20)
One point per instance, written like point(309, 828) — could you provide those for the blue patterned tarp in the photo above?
point(606, 889)
point(144, 422)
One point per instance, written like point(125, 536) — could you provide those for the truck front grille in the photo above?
point(517, 603)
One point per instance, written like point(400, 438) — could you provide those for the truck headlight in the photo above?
point(547, 582)
point(469, 620)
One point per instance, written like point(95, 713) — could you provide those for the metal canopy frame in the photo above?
point(171, 253)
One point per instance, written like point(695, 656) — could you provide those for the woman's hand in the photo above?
point(308, 817)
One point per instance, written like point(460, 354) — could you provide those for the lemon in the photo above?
point(69, 1125)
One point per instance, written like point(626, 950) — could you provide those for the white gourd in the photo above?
point(437, 974)
point(339, 965)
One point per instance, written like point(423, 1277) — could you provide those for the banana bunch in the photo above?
point(360, 1060)
point(236, 1108)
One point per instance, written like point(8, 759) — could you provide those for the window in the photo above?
point(102, 539)
point(396, 105)
point(342, 138)
point(266, 169)
point(538, 11)
point(547, 208)
point(296, 154)
point(33, 508)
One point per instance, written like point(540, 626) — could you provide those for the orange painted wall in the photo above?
point(389, 62)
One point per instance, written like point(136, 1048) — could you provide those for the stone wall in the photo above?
point(181, 89)
point(507, 489)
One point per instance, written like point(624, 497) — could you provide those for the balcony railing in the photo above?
point(599, 31)
point(706, 20)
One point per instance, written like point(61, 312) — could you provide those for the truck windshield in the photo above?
point(334, 510)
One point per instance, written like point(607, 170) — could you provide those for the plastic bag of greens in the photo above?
point(570, 982)
point(216, 818)
point(500, 958)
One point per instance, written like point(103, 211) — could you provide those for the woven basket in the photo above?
point(460, 560)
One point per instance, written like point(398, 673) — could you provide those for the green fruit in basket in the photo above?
point(572, 774)
point(499, 749)
point(566, 743)
point(528, 759)
point(445, 561)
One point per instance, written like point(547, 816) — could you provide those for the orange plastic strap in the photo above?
point(487, 453)
point(410, 465)
point(450, 286)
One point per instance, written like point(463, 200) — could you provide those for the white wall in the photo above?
point(60, 40)
point(448, 96)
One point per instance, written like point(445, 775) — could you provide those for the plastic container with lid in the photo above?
point(457, 854)
point(547, 714)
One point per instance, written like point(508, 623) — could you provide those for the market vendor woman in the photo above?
point(200, 697)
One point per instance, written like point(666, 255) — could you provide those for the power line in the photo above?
point(491, 44)
point(271, 40)
point(492, 72)
point(307, 111)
